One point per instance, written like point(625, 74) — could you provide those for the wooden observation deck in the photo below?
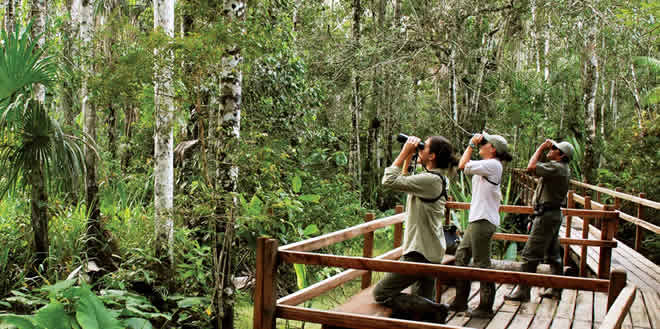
point(600, 297)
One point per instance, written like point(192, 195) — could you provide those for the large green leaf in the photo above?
point(92, 314)
point(58, 287)
point(137, 323)
point(16, 322)
point(192, 301)
point(296, 184)
point(53, 316)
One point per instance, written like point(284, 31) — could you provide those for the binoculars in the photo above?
point(402, 138)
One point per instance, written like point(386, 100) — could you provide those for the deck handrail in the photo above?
point(267, 308)
point(620, 195)
point(524, 177)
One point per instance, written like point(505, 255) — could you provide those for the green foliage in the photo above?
point(21, 63)
point(68, 307)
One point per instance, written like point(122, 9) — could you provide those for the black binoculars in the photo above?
point(402, 138)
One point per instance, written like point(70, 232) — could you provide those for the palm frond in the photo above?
point(22, 63)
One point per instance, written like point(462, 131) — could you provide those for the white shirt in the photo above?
point(486, 197)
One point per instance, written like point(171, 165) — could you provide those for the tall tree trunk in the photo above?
point(10, 8)
point(453, 85)
point(635, 93)
point(164, 135)
point(355, 163)
point(535, 41)
point(39, 10)
point(94, 228)
point(612, 105)
point(590, 92)
point(39, 216)
point(227, 127)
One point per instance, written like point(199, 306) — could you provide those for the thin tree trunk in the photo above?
point(10, 8)
point(355, 161)
point(546, 51)
point(227, 126)
point(164, 153)
point(39, 216)
point(535, 41)
point(95, 239)
point(638, 103)
point(453, 84)
point(39, 9)
point(612, 105)
point(591, 90)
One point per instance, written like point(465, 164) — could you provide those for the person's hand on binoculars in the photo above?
point(476, 139)
point(410, 147)
point(547, 144)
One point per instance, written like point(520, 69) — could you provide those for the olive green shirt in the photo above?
point(553, 183)
point(423, 232)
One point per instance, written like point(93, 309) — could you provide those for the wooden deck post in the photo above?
point(639, 234)
point(599, 222)
point(617, 283)
point(269, 278)
point(585, 235)
point(569, 223)
point(259, 289)
point(398, 228)
point(607, 233)
point(368, 251)
point(617, 200)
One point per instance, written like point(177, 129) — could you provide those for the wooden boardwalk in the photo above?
point(576, 309)
point(641, 272)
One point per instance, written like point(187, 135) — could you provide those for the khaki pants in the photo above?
point(543, 242)
point(394, 283)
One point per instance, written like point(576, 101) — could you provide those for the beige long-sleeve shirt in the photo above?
point(423, 232)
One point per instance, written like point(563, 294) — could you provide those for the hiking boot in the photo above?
point(460, 301)
point(520, 294)
point(484, 313)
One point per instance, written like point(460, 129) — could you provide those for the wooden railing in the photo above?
point(525, 185)
point(267, 307)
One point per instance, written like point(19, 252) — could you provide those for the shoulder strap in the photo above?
point(490, 181)
point(444, 190)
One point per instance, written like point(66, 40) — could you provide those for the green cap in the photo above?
point(566, 148)
point(498, 142)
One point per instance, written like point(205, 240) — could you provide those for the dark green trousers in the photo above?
point(476, 244)
point(543, 242)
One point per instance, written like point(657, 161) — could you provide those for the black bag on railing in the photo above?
point(451, 239)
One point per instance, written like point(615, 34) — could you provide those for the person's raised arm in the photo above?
point(467, 154)
point(407, 151)
point(531, 166)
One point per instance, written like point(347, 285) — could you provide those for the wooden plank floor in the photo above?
point(641, 272)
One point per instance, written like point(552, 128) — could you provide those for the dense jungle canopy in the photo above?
point(145, 145)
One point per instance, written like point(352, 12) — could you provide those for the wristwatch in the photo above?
point(472, 145)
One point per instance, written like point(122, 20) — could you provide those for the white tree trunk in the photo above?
point(227, 127)
point(546, 50)
point(454, 85)
point(39, 9)
point(591, 91)
point(10, 9)
point(163, 136)
point(535, 43)
point(638, 104)
point(612, 105)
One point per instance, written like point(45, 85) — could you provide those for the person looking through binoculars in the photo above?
point(484, 217)
point(424, 240)
point(549, 197)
